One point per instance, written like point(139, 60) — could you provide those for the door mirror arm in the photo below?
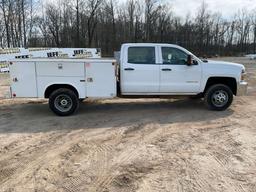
point(189, 60)
point(195, 62)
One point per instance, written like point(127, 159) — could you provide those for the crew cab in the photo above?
point(144, 70)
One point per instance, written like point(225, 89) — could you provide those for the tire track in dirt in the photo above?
point(223, 153)
point(95, 150)
point(128, 155)
point(29, 166)
point(221, 156)
point(198, 135)
point(6, 173)
point(12, 165)
point(103, 182)
point(24, 165)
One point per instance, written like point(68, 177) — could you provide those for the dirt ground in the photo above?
point(138, 145)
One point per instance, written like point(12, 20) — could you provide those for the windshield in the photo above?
point(194, 57)
point(189, 53)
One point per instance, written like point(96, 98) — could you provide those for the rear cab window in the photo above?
point(141, 55)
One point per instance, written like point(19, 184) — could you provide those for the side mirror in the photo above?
point(189, 60)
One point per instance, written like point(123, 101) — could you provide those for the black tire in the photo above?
point(218, 97)
point(63, 102)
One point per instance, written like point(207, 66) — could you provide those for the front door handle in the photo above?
point(129, 69)
point(167, 69)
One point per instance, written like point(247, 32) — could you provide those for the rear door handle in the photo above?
point(166, 69)
point(129, 69)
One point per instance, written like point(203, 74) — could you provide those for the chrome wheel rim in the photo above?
point(63, 103)
point(220, 98)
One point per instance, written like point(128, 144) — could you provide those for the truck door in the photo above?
point(25, 83)
point(139, 70)
point(175, 75)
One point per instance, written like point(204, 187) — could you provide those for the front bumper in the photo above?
point(242, 88)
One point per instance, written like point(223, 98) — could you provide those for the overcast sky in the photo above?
point(182, 7)
point(226, 7)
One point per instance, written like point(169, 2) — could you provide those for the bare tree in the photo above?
point(77, 24)
point(108, 23)
point(54, 22)
point(253, 16)
point(5, 6)
point(242, 27)
point(92, 9)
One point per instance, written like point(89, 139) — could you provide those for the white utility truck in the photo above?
point(144, 70)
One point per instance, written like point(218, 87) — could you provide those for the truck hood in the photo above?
point(224, 64)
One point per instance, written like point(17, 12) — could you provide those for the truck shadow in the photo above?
point(36, 117)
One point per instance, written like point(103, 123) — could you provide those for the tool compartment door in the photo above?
point(70, 72)
point(60, 68)
point(100, 80)
point(23, 76)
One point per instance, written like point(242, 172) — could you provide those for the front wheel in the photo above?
point(63, 102)
point(218, 97)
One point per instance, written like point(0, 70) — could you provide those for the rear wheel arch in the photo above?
point(51, 88)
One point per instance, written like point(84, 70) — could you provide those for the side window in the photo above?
point(173, 56)
point(141, 55)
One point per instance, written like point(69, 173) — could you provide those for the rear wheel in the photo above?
point(63, 102)
point(218, 97)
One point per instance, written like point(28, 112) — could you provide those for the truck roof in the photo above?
point(73, 60)
point(151, 44)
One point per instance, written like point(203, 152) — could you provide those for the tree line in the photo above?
point(109, 23)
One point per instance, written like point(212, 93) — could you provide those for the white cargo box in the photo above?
point(93, 78)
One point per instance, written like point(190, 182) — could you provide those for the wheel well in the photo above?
point(229, 81)
point(54, 87)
